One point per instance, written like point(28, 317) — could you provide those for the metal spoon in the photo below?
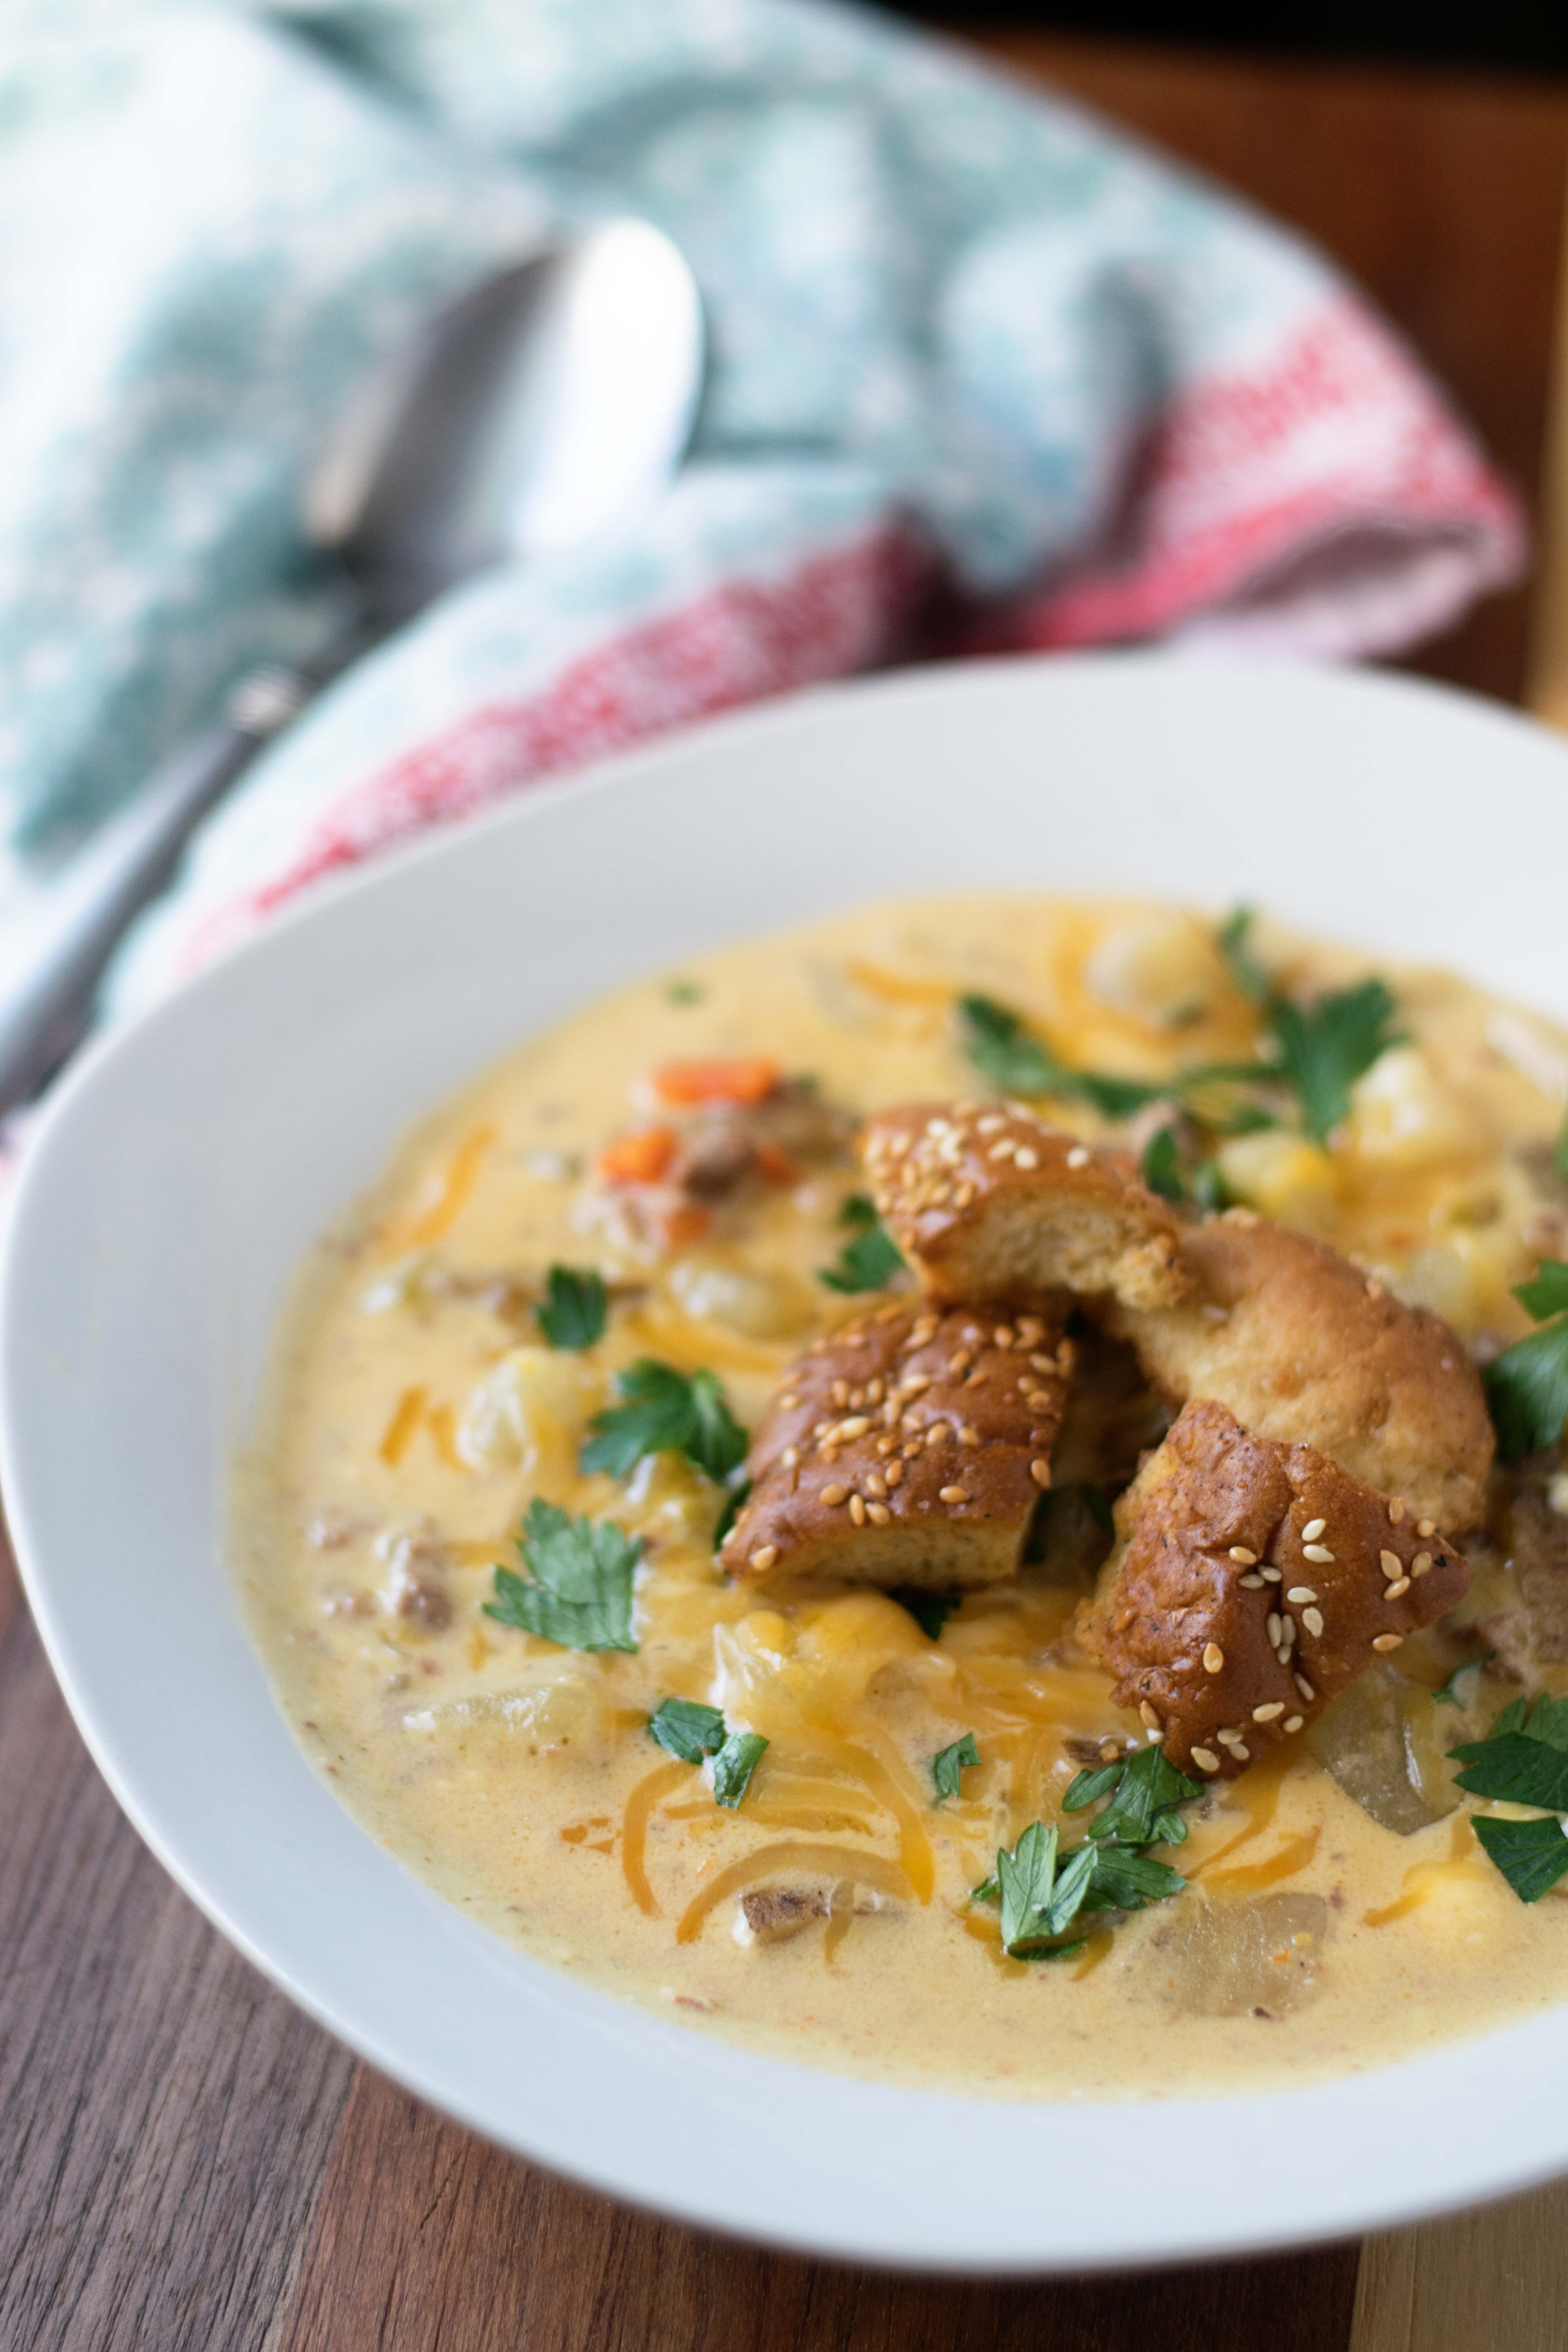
point(523, 420)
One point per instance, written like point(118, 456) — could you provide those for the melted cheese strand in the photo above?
point(634, 1829)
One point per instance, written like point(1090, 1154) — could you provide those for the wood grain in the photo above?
point(428, 2241)
point(1442, 194)
point(1496, 2277)
point(164, 2115)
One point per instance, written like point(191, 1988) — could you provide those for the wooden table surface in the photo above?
point(186, 2165)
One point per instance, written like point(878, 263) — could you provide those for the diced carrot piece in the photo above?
point(750, 1078)
point(640, 1158)
point(685, 1224)
point(775, 1165)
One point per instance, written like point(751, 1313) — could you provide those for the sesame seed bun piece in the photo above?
point(1301, 1345)
point(1251, 1583)
point(987, 1202)
point(907, 1448)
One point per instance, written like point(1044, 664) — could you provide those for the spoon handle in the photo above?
point(54, 959)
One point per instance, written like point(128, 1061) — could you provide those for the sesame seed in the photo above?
point(1205, 1760)
point(1043, 1363)
point(1425, 1526)
point(939, 1196)
point(1031, 1330)
point(1305, 1687)
point(1003, 1335)
point(1242, 1557)
point(856, 1426)
point(1386, 1641)
point(959, 1361)
point(1149, 1716)
point(967, 1436)
point(1040, 1472)
point(834, 1494)
point(1396, 1511)
point(1252, 1583)
point(1078, 1157)
point(1373, 1290)
point(788, 1404)
point(962, 1195)
point(1286, 1629)
point(879, 1513)
point(1273, 1628)
point(990, 1123)
point(1266, 1714)
point(1294, 1722)
point(1300, 1593)
point(1271, 1575)
point(1392, 1591)
point(1312, 1530)
point(876, 1486)
point(894, 1474)
point(764, 1556)
point(1421, 1563)
point(1313, 1621)
point(938, 1431)
point(1025, 1157)
point(1002, 1150)
point(1110, 1753)
point(1214, 1658)
point(1391, 1565)
point(896, 1145)
point(953, 1494)
point(857, 1510)
point(840, 1394)
point(1227, 1735)
point(1318, 1554)
point(914, 1383)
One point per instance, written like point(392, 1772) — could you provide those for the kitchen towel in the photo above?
point(983, 374)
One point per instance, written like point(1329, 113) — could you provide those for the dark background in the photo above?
point(1528, 36)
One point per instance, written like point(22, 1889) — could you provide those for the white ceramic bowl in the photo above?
point(187, 1163)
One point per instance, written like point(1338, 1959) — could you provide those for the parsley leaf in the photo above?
point(1159, 1167)
point(857, 1209)
point(734, 1764)
point(1325, 1047)
point(1527, 1385)
point(1120, 1881)
point(1515, 1769)
point(1531, 1855)
point(930, 1610)
point(949, 1763)
point(1322, 1048)
point(1025, 1878)
point(1017, 1062)
point(1210, 1189)
point(572, 1313)
point(684, 992)
point(867, 1263)
point(665, 1411)
point(1147, 1788)
point(579, 1587)
point(687, 1729)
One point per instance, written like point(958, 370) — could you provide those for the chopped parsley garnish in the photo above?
point(572, 1312)
point(736, 1496)
point(685, 992)
point(1043, 1890)
point(578, 1591)
point(1321, 1049)
point(949, 1763)
point(665, 1411)
point(857, 1210)
point(1527, 1385)
point(868, 1262)
point(687, 1729)
point(693, 1733)
point(1145, 1791)
point(1524, 1761)
point(1210, 1189)
point(930, 1610)
point(734, 1764)
point(1160, 1167)
point(1017, 1062)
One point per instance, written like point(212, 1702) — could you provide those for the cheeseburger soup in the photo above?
point(934, 1494)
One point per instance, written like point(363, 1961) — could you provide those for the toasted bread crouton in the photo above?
point(987, 1202)
point(907, 1448)
point(1301, 1346)
point(1253, 1581)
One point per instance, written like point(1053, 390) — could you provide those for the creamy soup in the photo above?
point(690, 1142)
